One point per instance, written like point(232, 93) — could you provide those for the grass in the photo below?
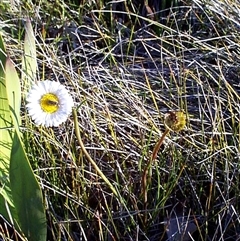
point(124, 75)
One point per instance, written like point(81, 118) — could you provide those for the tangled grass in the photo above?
point(124, 79)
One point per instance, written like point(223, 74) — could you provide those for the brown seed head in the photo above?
point(175, 120)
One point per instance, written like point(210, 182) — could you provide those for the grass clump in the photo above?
point(125, 71)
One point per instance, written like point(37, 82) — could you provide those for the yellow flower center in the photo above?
point(49, 103)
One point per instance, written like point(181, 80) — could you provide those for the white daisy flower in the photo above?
point(49, 103)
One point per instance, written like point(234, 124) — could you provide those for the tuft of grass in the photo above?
point(125, 71)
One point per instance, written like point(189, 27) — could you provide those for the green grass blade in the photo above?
point(29, 61)
point(2, 54)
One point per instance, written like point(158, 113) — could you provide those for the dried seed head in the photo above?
point(175, 120)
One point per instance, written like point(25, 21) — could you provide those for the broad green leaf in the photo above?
point(13, 91)
point(6, 131)
point(29, 61)
point(7, 209)
point(26, 194)
point(20, 194)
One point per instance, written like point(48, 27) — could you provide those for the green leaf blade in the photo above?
point(21, 199)
point(26, 194)
point(29, 61)
point(6, 134)
point(13, 92)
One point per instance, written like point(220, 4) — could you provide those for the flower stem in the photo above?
point(158, 145)
point(149, 163)
point(89, 158)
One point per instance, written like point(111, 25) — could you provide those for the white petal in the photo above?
point(35, 111)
